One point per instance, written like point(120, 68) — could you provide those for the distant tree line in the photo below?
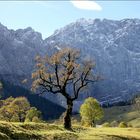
point(49, 109)
point(120, 103)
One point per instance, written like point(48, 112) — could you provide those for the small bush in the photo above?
point(122, 125)
point(114, 124)
point(129, 125)
point(106, 124)
point(36, 119)
point(27, 120)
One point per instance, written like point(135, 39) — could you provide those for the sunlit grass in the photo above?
point(45, 131)
point(129, 133)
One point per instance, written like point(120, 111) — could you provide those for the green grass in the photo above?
point(55, 131)
point(135, 122)
point(119, 113)
point(112, 134)
point(45, 131)
point(122, 113)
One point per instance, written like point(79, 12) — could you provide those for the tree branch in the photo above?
point(56, 74)
point(46, 81)
point(82, 85)
point(49, 88)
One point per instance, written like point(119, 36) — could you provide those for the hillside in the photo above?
point(44, 131)
point(122, 113)
point(114, 46)
point(127, 114)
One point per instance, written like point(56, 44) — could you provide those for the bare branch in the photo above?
point(48, 88)
point(56, 73)
point(63, 71)
point(48, 82)
point(83, 84)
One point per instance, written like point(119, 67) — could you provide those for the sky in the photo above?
point(47, 16)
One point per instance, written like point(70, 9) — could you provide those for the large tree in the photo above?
point(63, 72)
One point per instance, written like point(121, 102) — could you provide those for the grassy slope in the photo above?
point(46, 131)
point(119, 113)
point(122, 113)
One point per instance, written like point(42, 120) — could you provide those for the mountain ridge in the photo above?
point(112, 44)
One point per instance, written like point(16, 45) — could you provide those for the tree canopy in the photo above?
point(91, 111)
point(16, 109)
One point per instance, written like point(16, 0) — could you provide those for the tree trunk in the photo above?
point(68, 114)
point(93, 123)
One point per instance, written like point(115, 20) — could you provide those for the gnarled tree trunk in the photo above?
point(68, 114)
point(93, 123)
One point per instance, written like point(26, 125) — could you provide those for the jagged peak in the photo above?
point(3, 27)
point(28, 29)
point(83, 22)
point(130, 21)
point(28, 32)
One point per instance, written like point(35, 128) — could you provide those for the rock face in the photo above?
point(114, 45)
point(17, 53)
point(18, 50)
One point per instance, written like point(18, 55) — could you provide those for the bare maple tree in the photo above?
point(63, 73)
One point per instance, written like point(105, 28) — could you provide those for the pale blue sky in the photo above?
point(47, 16)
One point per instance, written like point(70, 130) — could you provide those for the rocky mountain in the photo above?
point(113, 45)
point(17, 53)
point(18, 50)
